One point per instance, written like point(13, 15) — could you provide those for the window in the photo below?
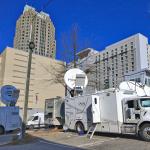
point(146, 81)
point(145, 102)
point(130, 104)
point(95, 100)
point(138, 80)
point(35, 118)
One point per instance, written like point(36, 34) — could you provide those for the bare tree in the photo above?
point(69, 55)
point(74, 43)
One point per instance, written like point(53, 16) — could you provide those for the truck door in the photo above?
point(131, 111)
point(96, 109)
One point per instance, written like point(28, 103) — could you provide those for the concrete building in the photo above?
point(128, 55)
point(142, 76)
point(43, 32)
point(43, 84)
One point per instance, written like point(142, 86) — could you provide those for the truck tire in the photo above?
point(80, 128)
point(145, 132)
point(31, 127)
point(2, 131)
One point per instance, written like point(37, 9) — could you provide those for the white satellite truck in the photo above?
point(125, 110)
point(9, 114)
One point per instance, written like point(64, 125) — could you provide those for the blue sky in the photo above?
point(100, 22)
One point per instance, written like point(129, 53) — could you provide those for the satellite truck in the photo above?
point(124, 110)
point(9, 114)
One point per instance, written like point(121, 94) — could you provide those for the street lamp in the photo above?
point(31, 46)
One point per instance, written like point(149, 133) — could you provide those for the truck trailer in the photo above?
point(54, 112)
point(111, 111)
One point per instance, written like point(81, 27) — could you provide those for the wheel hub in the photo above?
point(147, 132)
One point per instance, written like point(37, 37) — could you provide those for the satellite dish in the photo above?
point(9, 94)
point(71, 77)
point(139, 88)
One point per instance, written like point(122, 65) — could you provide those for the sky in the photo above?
point(100, 22)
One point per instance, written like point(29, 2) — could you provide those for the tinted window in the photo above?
point(95, 100)
point(130, 104)
point(35, 118)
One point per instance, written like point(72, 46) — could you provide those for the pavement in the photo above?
point(8, 138)
point(50, 140)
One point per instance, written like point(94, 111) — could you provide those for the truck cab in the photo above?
point(136, 114)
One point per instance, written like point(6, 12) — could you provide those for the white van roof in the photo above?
point(38, 113)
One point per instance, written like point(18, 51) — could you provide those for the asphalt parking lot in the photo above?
point(98, 142)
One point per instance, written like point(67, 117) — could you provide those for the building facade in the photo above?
point(43, 85)
point(43, 32)
point(128, 55)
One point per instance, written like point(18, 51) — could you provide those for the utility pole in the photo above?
point(31, 47)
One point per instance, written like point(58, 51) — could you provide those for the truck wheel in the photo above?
point(1, 130)
point(145, 132)
point(80, 128)
point(31, 127)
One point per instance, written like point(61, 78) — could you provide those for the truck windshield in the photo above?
point(145, 102)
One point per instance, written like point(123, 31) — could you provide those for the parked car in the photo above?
point(35, 121)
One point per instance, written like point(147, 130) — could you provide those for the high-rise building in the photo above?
point(128, 55)
point(43, 32)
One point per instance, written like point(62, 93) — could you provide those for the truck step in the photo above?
point(91, 130)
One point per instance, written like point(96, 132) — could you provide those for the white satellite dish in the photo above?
point(139, 88)
point(71, 78)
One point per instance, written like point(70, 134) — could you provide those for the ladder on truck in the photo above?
point(92, 130)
